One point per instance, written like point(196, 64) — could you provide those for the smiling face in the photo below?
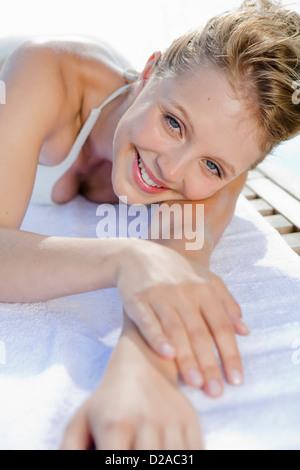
point(188, 134)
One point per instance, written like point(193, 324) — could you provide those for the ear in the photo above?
point(147, 72)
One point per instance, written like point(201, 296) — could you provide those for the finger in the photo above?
point(174, 438)
point(148, 437)
point(200, 342)
point(224, 336)
point(113, 436)
point(240, 327)
point(194, 437)
point(203, 345)
point(150, 327)
point(77, 435)
point(185, 356)
point(231, 306)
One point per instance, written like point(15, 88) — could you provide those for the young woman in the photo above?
point(185, 130)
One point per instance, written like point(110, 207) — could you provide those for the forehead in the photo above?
point(221, 121)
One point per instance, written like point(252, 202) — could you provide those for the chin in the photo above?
point(130, 199)
point(124, 193)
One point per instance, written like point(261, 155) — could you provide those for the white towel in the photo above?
point(53, 354)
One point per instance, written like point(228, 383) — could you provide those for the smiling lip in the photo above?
point(139, 180)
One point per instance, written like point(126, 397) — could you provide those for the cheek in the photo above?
point(140, 132)
point(145, 131)
point(200, 187)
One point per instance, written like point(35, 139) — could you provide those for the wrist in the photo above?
point(149, 358)
point(117, 251)
point(134, 357)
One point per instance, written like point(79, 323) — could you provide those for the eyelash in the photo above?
point(167, 118)
point(219, 169)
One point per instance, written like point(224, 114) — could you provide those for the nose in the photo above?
point(172, 167)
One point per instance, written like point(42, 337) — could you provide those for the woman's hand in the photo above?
point(137, 406)
point(135, 413)
point(182, 309)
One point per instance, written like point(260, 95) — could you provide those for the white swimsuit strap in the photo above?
point(85, 132)
point(47, 176)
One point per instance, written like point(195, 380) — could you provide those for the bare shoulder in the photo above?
point(47, 83)
point(70, 67)
point(83, 68)
point(63, 54)
point(36, 71)
point(35, 96)
point(85, 47)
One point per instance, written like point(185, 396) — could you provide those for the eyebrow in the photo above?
point(185, 114)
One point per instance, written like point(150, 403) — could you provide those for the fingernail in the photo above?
point(236, 377)
point(195, 378)
point(167, 350)
point(244, 328)
point(214, 388)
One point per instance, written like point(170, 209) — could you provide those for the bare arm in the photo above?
point(34, 98)
point(140, 418)
point(218, 210)
point(137, 406)
point(151, 407)
point(35, 267)
point(192, 338)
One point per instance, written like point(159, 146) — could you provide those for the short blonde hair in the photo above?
point(258, 48)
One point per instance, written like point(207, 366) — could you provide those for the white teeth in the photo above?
point(145, 175)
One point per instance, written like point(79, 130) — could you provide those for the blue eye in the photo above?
point(172, 124)
point(213, 168)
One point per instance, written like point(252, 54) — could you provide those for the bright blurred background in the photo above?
point(136, 28)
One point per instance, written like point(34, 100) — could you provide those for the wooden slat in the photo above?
point(281, 176)
point(262, 206)
point(282, 202)
point(255, 174)
point(293, 239)
point(248, 193)
point(280, 223)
